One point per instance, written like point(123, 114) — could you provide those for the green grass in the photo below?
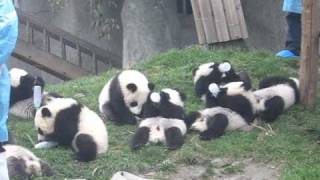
point(293, 148)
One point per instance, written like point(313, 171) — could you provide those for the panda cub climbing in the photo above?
point(21, 96)
point(163, 120)
point(23, 164)
point(219, 73)
point(213, 122)
point(122, 98)
point(69, 123)
point(276, 94)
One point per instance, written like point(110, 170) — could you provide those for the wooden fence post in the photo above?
point(309, 52)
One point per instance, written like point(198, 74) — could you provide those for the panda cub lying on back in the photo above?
point(122, 98)
point(275, 95)
point(163, 120)
point(21, 96)
point(219, 73)
point(23, 164)
point(69, 123)
point(213, 122)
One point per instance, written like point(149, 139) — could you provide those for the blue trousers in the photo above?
point(293, 41)
point(4, 102)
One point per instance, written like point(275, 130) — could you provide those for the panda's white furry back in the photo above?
point(276, 94)
point(123, 96)
point(69, 123)
point(23, 164)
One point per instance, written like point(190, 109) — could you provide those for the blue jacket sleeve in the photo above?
point(8, 29)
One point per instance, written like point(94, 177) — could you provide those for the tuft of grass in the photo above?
point(291, 147)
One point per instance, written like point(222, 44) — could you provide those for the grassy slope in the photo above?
point(291, 146)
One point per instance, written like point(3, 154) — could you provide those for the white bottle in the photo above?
point(37, 96)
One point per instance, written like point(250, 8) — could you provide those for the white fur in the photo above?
point(32, 162)
point(224, 67)
point(15, 75)
point(297, 82)
point(175, 97)
point(203, 70)
point(158, 126)
point(214, 89)
point(126, 77)
point(283, 90)
point(235, 121)
point(155, 97)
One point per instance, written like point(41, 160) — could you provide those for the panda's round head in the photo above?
point(45, 117)
point(135, 88)
point(48, 97)
point(199, 122)
point(234, 88)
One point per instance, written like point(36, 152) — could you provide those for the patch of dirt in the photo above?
point(226, 169)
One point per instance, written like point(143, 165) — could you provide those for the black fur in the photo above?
point(140, 138)
point(115, 109)
point(25, 88)
point(151, 86)
point(17, 168)
point(45, 112)
point(275, 80)
point(216, 127)
point(164, 108)
point(191, 118)
point(274, 107)
point(132, 87)
point(174, 138)
point(87, 148)
point(46, 169)
point(66, 125)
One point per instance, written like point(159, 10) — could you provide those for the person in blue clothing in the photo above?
point(8, 38)
point(293, 41)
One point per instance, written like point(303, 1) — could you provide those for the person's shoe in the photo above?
point(286, 54)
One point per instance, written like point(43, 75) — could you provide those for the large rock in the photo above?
point(149, 27)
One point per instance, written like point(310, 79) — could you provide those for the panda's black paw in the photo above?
point(174, 138)
point(140, 138)
point(206, 135)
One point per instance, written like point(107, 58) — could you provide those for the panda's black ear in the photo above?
point(151, 86)
point(191, 118)
point(164, 96)
point(45, 112)
point(247, 85)
point(194, 71)
point(132, 87)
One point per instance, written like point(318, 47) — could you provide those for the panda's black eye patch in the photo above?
point(40, 131)
point(45, 112)
point(133, 104)
point(132, 87)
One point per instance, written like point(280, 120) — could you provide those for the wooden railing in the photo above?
point(66, 41)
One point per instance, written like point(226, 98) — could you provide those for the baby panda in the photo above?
point(69, 123)
point(23, 164)
point(276, 94)
point(213, 122)
point(21, 96)
point(219, 73)
point(122, 98)
point(237, 96)
point(168, 103)
point(162, 122)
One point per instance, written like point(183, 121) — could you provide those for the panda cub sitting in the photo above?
point(122, 98)
point(275, 95)
point(21, 96)
point(163, 120)
point(219, 73)
point(213, 122)
point(237, 96)
point(69, 123)
point(23, 164)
